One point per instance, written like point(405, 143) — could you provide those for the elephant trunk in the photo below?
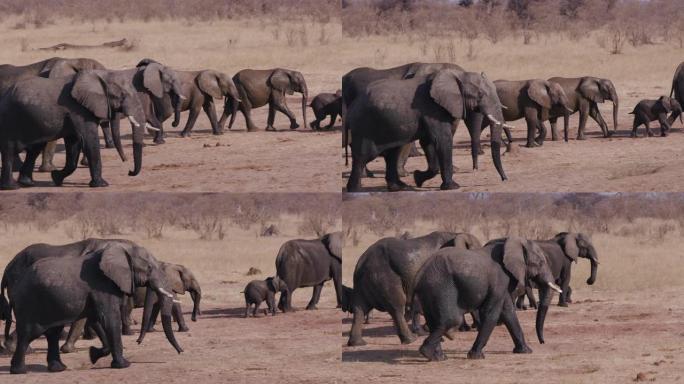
point(177, 104)
point(616, 105)
point(138, 136)
point(496, 131)
point(196, 296)
point(305, 98)
point(166, 307)
point(594, 266)
point(544, 301)
point(147, 313)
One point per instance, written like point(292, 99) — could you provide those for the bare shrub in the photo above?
point(318, 224)
point(617, 38)
point(82, 226)
point(269, 230)
point(253, 271)
point(130, 45)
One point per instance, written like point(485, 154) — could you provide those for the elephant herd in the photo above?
point(93, 286)
point(386, 110)
point(445, 276)
point(69, 99)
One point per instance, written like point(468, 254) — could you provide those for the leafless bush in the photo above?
point(253, 271)
point(82, 226)
point(617, 40)
point(130, 45)
point(269, 230)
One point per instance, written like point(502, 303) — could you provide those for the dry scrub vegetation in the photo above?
point(630, 231)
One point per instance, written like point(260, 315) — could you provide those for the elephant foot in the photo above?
point(563, 304)
point(25, 181)
point(650, 134)
point(522, 349)
point(475, 355)
point(532, 145)
point(109, 145)
point(270, 128)
point(408, 339)
point(633, 135)
point(96, 353)
point(356, 342)
point(184, 328)
point(67, 348)
point(159, 140)
point(608, 135)
point(432, 353)
point(56, 366)
point(98, 183)
point(11, 186)
point(57, 178)
point(397, 186)
point(18, 370)
point(449, 186)
point(420, 331)
point(44, 168)
point(480, 151)
point(311, 307)
point(464, 328)
point(185, 134)
point(313, 126)
point(151, 329)
point(664, 134)
point(120, 364)
point(450, 334)
point(403, 173)
point(294, 125)
point(127, 332)
point(84, 161)
point(581, 138)
point(420, 177)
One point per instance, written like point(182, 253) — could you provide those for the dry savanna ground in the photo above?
point(284, 161)
point(628, 323)
point(597, 164)
point(221, 346)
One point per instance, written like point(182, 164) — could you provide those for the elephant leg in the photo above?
point(210, 110)
point(48, 155)
point(159, 135)
point(192, 118)
point(333, 119)
point(337, 282)
point(278, 103)
point(584, 116)
point(664, 124)
point(596, 116)
point(271, 119)
point(127, 310)
point(110, 320)
point(358, 169)
point(73, 149)
point(647, 124)
point(153, 317)
point(532, 126)
point(542, 133)
point(520, 303)
point(511, 322)
point(107, 133)
point(8, 152)
point(566, 276)
point(91, 149)
point(75, 332)
point(400, 325)
point(635, 126)
point(474, 123)
point(246, 109)
point(394, 183)
point(420, 177)
point(489, 316)
point(356, 334)
point(26, 171)
point(177, 313)
point(404, 154)
point(256, 308)
point(529, 292)
point(247, 305)
point(444, 150)
point(315, 297)
point(568, 294)
point(432, 345)
point(97, 353)
point(288, 301)
point(16, 165)
point(24, 335)
point(554, 129)
point(54, 362)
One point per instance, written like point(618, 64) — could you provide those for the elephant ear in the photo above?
point(665, 102)
point(411, 71)
point(174, 275)
point(281, 81)
point(334, 243)
point(58, 68)
point(445, 90)
point(152, 79)
point(90, 90)
point(538, 92)
point(208, 82)
point(514, 260)
point(116, 265)
point(589, 89)
point(569, 243)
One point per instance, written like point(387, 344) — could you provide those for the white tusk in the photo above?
point(164, 291)
point(182, 97)
point(508, 126)
point(493, 120)
point(133, 121)
point(569, 110)
point(555, 287)
point(176, 301)
point(151, 128)
point(504, 107)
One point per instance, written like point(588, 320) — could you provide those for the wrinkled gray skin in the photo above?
point(51, 286)
point(384, 278)
point(651, 110)
point(530, 100)
point(584, 94)
point(324, 105)
point(356, 81)
point(38, 110)
point(268, 86)
point(310, 263)
point(561, 251)
point(394, 113)
point(257, 291)
point(51, 68)
point(677, 91)
point(454, 282)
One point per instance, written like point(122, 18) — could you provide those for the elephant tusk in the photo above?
point(133, 121)
point(493, 120)
point(555, 287)
point(505, 108)
point(176, 301)
point(508, 126)
point(165, 292)
point(182, 97)
point(569, 110)
point(596, 261)
point(151, 128)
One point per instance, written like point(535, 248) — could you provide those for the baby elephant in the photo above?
point(650, 110)
point(326, 104)
point(259, 290)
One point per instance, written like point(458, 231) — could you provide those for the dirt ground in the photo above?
point(283, 161)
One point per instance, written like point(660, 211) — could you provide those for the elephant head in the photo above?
point(463, 93)
point(288, 81)
point(547, 94)
point(103, 95)
point(333, 243)
point(129, 267)
point(182, 280)
point(577, 245)
point(219, 85)
point(426, 69)
point(598, 91)
point(59, 67)
point(458, 240)
point(276, 284)
point(160, 80)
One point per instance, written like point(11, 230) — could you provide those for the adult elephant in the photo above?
point(677, 90)
point(584, 94)
point(531, 100)
point(310, 263)
point(355, 82)
point(393, 113)
point(266, 86)
point(50, 68)
point(200, 89)
point(38, 110)
point(59, 289)
point(385, 276)
point(454, 282)
point(561, 251)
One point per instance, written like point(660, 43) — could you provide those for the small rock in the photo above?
point(641, 377)
point(253, 271)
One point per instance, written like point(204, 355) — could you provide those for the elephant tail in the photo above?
point(5, 308)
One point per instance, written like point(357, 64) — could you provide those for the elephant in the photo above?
point(200, 89)
point(384, 278)
point(584, 94)
point(257, 291)
point(650, 110)
point(677, 90)
point(266, 86)
point(394, 113)
point(323, 105)
point(51, 68)
point(355, 82)
point(561, 251)
point(38, 110)
point(456, 281)
point(61, 286)
point(531, 100)
point(310, 263)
